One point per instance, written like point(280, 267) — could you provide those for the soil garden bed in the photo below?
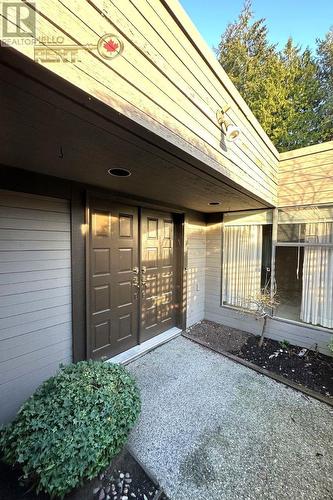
point(306, 368)
point(125, 478)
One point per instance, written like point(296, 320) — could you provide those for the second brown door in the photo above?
point(158, 291)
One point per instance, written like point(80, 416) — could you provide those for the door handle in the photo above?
point(143, 286)
point(135, 282)
point(135, 270)
point(143, 281)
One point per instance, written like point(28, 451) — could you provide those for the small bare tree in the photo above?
point(264, 303)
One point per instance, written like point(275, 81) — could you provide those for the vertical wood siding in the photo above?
point(195, 247)
point(306, 176)
point(35, 294)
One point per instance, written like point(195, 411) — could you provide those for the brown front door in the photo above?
point(114, 268)
point(158, 293)
point(132, 289)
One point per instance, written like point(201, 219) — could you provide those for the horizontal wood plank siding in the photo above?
point(195, 248)
point(300, 335)
point(35, 289)
point(306, 176)
point(296, 334)
point(161, 81)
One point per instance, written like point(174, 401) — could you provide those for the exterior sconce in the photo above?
point(230, 130)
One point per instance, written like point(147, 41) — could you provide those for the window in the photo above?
point(247, 250)
point(304, 265)
point(303, 261)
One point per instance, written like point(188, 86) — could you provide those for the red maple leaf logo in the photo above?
point(111, 46)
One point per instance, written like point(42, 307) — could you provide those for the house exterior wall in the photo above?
point(35, 294)
point(42, 327)
point(195, 267)
point(277, 329)
point(166, 79)
point(306, 176)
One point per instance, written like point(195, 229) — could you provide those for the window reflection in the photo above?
point(288, 277)
point(101, 224)
point(304, 265)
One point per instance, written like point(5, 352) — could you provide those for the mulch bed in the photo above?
point(124, 478)
point(312, 370)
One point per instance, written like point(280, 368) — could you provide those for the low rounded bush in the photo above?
point(73, 425)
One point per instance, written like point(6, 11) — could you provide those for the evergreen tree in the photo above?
point(325, 73)
point(282, 88)
point(301, 125)
point(248, 58)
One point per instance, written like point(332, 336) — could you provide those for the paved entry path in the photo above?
point(213, 429)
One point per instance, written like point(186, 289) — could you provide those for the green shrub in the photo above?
point(284, 344)
point(73, 425)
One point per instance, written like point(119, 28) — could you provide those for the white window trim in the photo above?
point(303, 325)
point(302, 244)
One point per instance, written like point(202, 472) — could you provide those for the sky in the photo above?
point(304, 20)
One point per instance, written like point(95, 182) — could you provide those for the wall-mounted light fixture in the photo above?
point(230, 130)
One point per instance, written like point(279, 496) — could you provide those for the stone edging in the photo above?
point(150, 474)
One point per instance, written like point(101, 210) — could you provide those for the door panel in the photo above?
point(113, 290)
point(158, 293)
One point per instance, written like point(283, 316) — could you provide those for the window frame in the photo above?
point(275, 244)
point(294, 244)
point(223, 225)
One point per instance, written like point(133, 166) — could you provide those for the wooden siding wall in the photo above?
point(306, 176)
point(166, 79)
point(35, 294)
point(276, 329)
point(195, 263)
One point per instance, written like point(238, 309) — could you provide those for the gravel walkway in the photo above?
point(213, 429)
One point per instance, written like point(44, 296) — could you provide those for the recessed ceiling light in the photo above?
point(214, 203)
point(119, 172)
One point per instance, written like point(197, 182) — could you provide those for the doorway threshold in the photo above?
point(135, 352)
